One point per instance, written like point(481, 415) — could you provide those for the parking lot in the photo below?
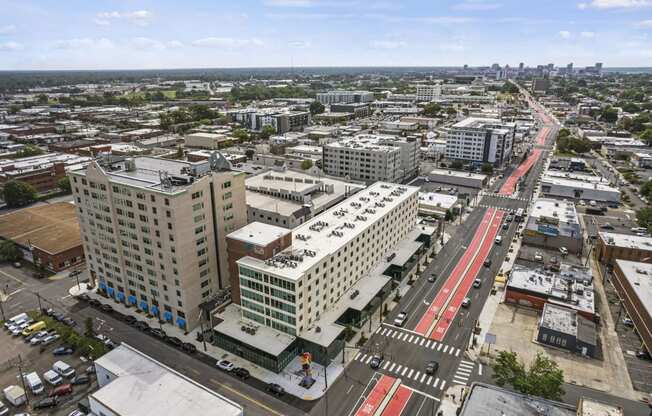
point(16, 354)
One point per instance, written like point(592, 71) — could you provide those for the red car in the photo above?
point(62, 390)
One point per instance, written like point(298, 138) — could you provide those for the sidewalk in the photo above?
point(452, 400)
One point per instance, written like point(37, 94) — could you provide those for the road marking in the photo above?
point(392, 367)
point(445, 349)
point(394, 334)
point(410, 373)
point(416, 341)
point(399, 368)
point(357, 356)
point(439, 347)
point(400, 336)
point(423, 377)
point(463, 373)
point(480, 369)
point(434, 345)
point(428, 344)
point(404, 371)
point(381, 333)
point(443, 383)
point(416, 376)
point(386, 364)
point(389, 332)
point(457, 353)
point(459, 382)
point(369, 359)
point(429, 380)
point(467, 362)
point(436, 382)
point(350, 388)
point(411, 336)
point(244, 396)
point(422, 341)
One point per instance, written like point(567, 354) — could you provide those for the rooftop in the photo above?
point(639, 277)
point(372, 142)
point(42, 161)
point(577, 184)
point(52, 228)
point(576, 176)
point(555, 217)
point(591, 407)
point(626, 240)
point(326, 233)
point(488, 400)
point(154, 389)
point(458, 173)
point(434, 199)
point(258, 233)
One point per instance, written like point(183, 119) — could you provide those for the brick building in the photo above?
point(612, 246)
point(633, 282)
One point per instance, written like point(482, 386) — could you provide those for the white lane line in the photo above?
point(399, 368)
point(403, 335)
point(358, 356)
point(416, 376)
point(465, 365)
point(394, 334)
point(429, 380)
point(439, 347)
point(445, 349)
point(434, 345)
point(457, 353)
point(389, 332)
point(467, 362)
point(480, 369)
point(369, 359)
point(459, 382)
point(422, 341)
point(460, 377)
point(423, 377)
point(411, 336)
point(384, 330)
point(416, 341)
point(386, 364)
point(443, 383)
point(410, 373)
point(392, 367)
point(428, 344)
point(378, 330)
point(403, 372)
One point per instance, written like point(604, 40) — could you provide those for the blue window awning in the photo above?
point(181, 322)
point(143, 305)
point(110, 291)
point(132, 299)
point(121, 296)
point(154, 310)
point(167, 315)
point(102, 285)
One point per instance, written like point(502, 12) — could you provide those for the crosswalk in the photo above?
point(405, 372)
point(418, 340)
point(463, 372)
point(495, 195)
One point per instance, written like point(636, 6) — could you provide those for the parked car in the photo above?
point(466, 302)
point(225, 365)
point(52, 378)
point(106, 308)
point(90, 369)
point(59, 317)
point(80, 379)
point(487, 263)
point(432, 278)
point(643, 355)
point(174, 341)
point(62, 390)
point(94, 302)
point(4, 410)
point(432, 367)
point(131, 320)
point(538, 257)
point(158, 333)
point(70, 322)
point(143, 326)
point(46, 403)
point(84, 297)
point(76, 413)
point(275, 389)
point(50, 339)
point(400, 318)
point(65, 350)
point(477, 283)
point(376, 360)
point(38, 337)
point(240, 372)
point(563, 251)
point(628, 322)
point(607, 226)
point(63, 369)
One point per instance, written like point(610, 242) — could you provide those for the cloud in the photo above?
point(477, 5)
point(300, 44)
point(587, 35)
point(614, 4)
point(7, 30)
point(226, 43)
point(84, 43)
point(564, 34)
point(10, 46)
point(644, 23)
point(138, 17)
point(388, 44)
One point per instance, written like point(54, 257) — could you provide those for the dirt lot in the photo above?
point(15, 351)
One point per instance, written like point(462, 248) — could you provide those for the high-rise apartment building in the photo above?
point(481, 140)
point(154, 231)
point(345, 97)
point(372, 158)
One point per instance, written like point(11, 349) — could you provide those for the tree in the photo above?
point(316, 107)
point(457, 164)
point(451, 111)
point(431, 110)
point(29, 151)
point(487, 168)
point(179, 154)
point(240, 134)
point(9, 251)
point(42, 99)
point(543, 378)
point(250, 153)
point(88, 325)
point(306, 164)
point(64, 185)
point(18, 193)
point(266, 132)
point(507, 369)
point(563, 133)
point(609, 114)
point(646, 136)
point(644, 217)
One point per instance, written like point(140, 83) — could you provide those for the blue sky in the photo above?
point(101, 34)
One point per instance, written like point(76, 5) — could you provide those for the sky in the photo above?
point(135, 34)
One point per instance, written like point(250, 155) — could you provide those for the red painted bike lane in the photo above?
point(452, 281)
point(398, 402)
point(376, 397)
point(509, 187)
point(541, 138)
point(447, 317)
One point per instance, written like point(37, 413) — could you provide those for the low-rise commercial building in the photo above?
point(642, 160)
point(43, 172)
point(612, 246)
point(633, 282)
point(48, 235)
point(357, 109)
point(211, 141)
point(458, 178)
point(565, 328)
point(578, 190)
point(554, 224)
point(435, 204)
point(161, 390)
point(372, 158)
point(289, 198)
point(481, 140)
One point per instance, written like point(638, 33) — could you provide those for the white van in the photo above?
point(52, 377)
point(499, 239)
point(20, 318)
point(63, 369)
point(34, 383)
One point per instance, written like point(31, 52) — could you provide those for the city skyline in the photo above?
point(304, 33)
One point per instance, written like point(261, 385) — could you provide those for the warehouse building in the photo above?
point(612, 246)
point(458, 178)
point(633, 282)
point(554, 224)
point(578, 190)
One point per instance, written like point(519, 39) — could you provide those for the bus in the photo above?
point(519, 215)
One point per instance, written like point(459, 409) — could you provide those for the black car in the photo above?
point(432, 278)
point(80, 379)
point(131, 320)
point(432, 367)
point(94, 302)
point(46, 403)
point(69, 321)
point(275, 389)
point(643, 355)
point(376, 360)
point(174, 341)
point(240, 372)
point(189, 348)
point(142, 326)
point(487, 263)
point(59, 317)
point(106, 308)
point(158, 333)
point(119, 316)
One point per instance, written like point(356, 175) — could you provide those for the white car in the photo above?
point(76, 413)
point(52, 377)
point(225, 365)
point(563, 251)
point(538, 257)
point(17, 330)
point(38, 338)
point(50, 339)
point(400, 318)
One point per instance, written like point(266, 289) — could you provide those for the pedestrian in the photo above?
point(453, 397)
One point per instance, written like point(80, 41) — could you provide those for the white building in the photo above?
point(154, 231)
point(642, 160)
point(435, 204)
point(572, 189)
point(345, 97)
point(132, 383)
point(480, 140)
point(372, 158)
point(428, 92)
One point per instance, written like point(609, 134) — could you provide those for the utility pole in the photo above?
point(38, 296)
point(201, 326)
point(22, 379)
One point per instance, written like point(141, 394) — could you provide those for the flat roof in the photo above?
point(584, 177)
point(626, 240)
point(488, 400)
point(371, 142)
point(577, 184)
point(591, 407)
point(265, 338)
point(458, 173)
point(559, 319)
point(639, 277)
point(328, 232)
point(258, 233)
point(434, 199)
point(52, 228)
point(154, 389)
